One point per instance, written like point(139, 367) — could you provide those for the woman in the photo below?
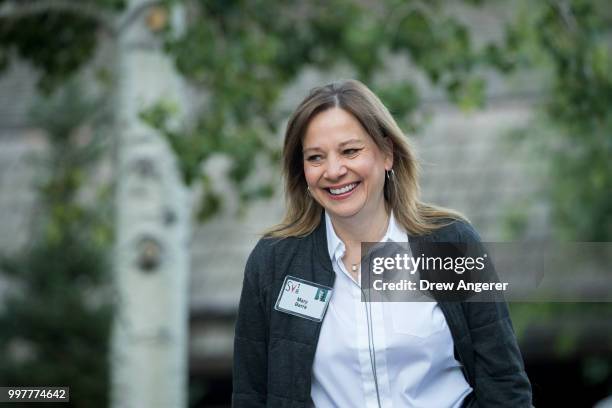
point(303, 335)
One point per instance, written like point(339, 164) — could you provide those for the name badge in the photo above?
point(304, 299)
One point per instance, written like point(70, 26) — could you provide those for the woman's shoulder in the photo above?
point(268, 246)
point(262, 252)
point(455, 230)
point(269, 253)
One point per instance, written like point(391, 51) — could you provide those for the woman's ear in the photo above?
point(388, 153)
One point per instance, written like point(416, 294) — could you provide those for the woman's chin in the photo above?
point(344, 211)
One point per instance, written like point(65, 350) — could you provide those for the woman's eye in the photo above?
point(350, 152)
point(314, 158)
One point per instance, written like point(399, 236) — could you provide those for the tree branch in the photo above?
point(134, 13)
point(564, 10)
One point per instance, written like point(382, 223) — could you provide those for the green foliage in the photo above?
point(59, 42)
point(572, 138)
point(514, 223)
point(56, 319)
point(244, 53)
point(53, 334)
point(572, 41)
point(570, 324)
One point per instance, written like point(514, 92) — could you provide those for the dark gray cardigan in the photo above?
point(274, 351)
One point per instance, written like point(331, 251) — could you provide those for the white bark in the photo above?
point(149, 344)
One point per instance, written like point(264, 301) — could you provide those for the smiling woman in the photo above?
point(304, 337)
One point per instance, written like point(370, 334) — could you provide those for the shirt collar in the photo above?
point(335, 247)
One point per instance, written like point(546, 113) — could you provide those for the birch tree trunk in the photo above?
point(149, 343)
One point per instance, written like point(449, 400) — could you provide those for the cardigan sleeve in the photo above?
point(500, 379)
point(250, 365)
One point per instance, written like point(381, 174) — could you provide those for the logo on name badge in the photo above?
point(321, 295)
point(303, 298)
point(292, 287)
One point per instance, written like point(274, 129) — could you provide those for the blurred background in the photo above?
point(139, 165)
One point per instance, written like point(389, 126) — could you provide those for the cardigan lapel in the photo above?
point(324, 272)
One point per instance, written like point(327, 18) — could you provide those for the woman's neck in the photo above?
point(354, 230)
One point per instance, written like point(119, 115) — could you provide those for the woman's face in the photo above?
point(344, 169)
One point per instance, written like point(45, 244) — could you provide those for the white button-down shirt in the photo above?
point(411, 348)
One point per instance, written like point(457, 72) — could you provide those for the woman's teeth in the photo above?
point(343, 190)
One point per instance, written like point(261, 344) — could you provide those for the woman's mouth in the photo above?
point(343, 192)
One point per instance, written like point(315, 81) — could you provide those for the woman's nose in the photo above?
point(335, 169)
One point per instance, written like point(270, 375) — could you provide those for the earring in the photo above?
point(390, 174)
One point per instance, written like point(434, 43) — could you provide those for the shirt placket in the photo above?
point(380, 345)
point(363, 348)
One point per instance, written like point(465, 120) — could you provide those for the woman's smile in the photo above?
point(342, 192)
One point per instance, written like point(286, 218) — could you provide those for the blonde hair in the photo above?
point(401, 191)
